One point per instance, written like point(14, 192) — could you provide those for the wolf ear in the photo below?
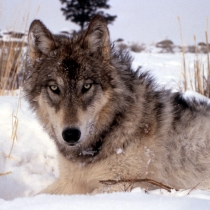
point(97, 37)
point(40, 40)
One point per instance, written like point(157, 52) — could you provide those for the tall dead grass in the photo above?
point(197, 79)
point(11, 65)
point(12, 49)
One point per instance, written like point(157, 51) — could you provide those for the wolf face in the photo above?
point(72, 84)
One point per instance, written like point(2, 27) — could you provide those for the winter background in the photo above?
point(27, 155)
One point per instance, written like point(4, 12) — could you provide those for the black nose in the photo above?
point(71, 135)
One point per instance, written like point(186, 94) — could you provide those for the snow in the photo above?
point(122, 201)
point(29, 165)
point(168, 68)
point(32, 161)
point(119, 151)
point(190, 94)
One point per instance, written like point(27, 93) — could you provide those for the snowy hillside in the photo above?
point(29, 165)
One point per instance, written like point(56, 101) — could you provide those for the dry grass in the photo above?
point(14, 125)
point(12, 60)
point(198, 79)
point(183, 57)
point(11, 65)
point(6, 173)
point(199, 82)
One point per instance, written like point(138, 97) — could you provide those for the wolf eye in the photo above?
point(86, 87)
point(54, 89)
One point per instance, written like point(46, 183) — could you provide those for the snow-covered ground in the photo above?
point(28, 160)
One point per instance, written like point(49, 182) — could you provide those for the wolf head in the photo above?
point(77, 85)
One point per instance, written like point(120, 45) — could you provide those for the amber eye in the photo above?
point(86, 87)
point(54, 89)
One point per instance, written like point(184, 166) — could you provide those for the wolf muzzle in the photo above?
point(71, 135)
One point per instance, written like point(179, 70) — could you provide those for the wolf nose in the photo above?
point(71, 135)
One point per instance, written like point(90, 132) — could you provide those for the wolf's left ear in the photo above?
point(97, 37)
point(40, 40)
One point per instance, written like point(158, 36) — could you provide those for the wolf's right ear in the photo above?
point(40, 40)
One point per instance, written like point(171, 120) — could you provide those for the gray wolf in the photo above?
point(108, 121)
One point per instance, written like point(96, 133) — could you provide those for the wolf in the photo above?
point(109, 121)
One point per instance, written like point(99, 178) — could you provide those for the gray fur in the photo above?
point(129, 128)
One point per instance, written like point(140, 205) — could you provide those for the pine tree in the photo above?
point(82, 11)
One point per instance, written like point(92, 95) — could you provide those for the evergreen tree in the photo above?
point(82, 11)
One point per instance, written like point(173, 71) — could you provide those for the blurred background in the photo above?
point(136, 20)
point(144, 27)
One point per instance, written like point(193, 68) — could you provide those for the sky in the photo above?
point(138, 21)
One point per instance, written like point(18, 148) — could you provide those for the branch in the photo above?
point(3, 174)
point(153, 182)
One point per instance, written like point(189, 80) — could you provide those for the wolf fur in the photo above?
point(123, 125)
